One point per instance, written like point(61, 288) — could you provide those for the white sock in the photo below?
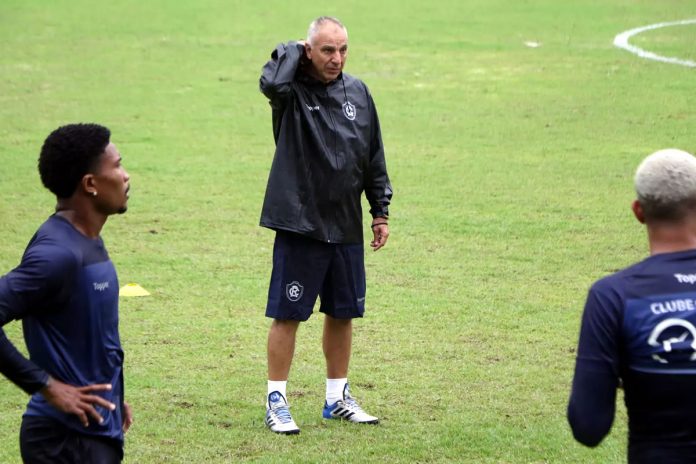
point(334, 390)
point(277, 386)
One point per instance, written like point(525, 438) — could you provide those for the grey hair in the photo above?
point(665, 183)
point(314, 26)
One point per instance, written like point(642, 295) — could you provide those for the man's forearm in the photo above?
point(591, 406)
point(18, 369)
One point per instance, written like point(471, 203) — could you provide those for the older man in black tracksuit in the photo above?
point(328, 151)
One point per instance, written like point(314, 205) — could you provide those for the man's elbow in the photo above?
point(273, 90)
point(266, 86)
point(587, 436)
point(590, 431)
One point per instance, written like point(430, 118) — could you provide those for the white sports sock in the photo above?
point(277, 386)
point(334, 390)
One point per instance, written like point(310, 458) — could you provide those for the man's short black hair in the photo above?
point(69, 153)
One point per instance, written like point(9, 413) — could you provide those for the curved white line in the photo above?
point(621, 41)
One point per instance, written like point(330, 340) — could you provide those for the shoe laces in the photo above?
point(282, 413)
point(352, 404)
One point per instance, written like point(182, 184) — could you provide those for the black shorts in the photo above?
point(43, 440)
point(304, 268)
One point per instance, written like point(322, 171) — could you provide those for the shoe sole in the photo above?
point(289, 432)
point(374, 422)
point(284, 432)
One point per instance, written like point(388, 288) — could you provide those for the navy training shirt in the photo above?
point(65, 291)
point(639, 325)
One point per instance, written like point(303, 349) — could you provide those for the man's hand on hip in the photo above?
point(77, 400)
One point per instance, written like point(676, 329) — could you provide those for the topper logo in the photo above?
point(686, 278)
point(100, 286)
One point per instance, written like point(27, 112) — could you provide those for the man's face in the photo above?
point(111, 182)
point(327, 51)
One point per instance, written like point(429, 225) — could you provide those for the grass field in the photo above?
point(512, 170)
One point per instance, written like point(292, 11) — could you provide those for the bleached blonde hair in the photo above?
point(665, 183)
point(314, 26)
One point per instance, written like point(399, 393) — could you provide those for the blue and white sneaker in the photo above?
point(348, 409)
point(278, 417)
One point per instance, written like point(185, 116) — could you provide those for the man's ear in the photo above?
point(638, 211)
point(88, 184)
point(308, 51)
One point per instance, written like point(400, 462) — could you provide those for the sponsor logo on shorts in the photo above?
point(294, 290)
point(349, 110)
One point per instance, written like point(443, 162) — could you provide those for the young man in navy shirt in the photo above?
point(639, 327)
point(65, 291)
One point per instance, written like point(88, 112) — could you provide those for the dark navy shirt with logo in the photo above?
point(639, 325)
point(65, 291)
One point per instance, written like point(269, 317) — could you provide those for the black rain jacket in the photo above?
point(328, 151)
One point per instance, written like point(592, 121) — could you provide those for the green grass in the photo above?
point(512, 169)
point(670, 41)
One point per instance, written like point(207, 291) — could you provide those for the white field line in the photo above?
point(621, 41)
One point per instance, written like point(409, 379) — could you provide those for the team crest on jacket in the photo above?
point(349, 110)
point(294, 290)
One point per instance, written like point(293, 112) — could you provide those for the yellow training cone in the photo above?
point(133, 290)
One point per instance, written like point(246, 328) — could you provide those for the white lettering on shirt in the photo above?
point(673, 306)
point(686, 278)
point(100, 286)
